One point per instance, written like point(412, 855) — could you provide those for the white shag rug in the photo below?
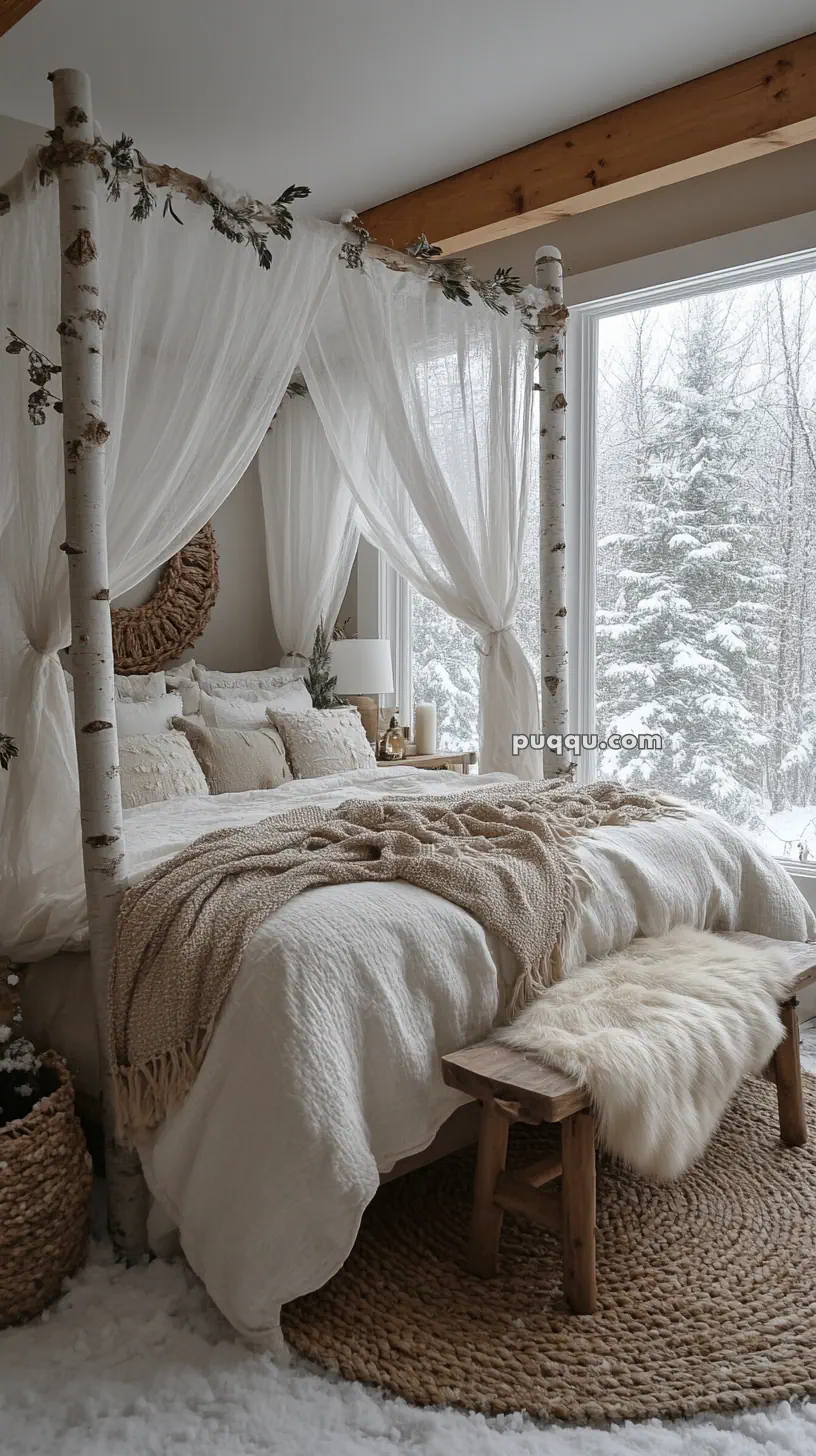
point(138, 1362)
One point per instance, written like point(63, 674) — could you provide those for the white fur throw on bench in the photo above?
point(661, 1035)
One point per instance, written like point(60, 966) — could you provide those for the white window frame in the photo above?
point(774, 250)
point(384, 610)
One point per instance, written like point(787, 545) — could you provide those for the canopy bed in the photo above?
point(415, 430)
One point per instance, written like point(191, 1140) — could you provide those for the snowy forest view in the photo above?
point(706, 513)
point(706, 554)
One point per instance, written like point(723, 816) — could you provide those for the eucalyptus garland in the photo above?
point(454, 276)
point(237, 222)
point(244, 221)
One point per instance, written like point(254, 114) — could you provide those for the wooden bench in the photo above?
point(513, 1087)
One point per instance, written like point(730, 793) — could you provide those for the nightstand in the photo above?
point(459, 762)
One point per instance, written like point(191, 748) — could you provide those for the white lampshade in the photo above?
point(362, 665)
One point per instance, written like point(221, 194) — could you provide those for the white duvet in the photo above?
point(324, 1070)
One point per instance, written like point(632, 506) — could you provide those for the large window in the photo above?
point(699, 490)
point(692, 464)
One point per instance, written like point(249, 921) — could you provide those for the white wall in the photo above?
point(239, 635)
point(16, 138)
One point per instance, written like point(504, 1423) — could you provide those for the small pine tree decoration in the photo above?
point(319, 681)
point(21, 1075)
point(23, 1080)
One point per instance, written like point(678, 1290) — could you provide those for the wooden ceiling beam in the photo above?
point(755, 106)
point(13, 10)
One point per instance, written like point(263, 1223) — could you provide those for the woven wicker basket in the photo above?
point(45, 1200)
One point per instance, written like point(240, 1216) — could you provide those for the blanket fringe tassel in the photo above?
point(143, 1095)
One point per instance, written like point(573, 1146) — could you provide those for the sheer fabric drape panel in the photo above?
point(428, 406)
point(310, 524)
point(199, 345)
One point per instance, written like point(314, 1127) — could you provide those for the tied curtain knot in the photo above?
point(488, 640)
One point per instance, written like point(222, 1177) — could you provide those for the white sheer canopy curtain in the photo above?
point(310, 523)
point(198, 347)
point(428, 406)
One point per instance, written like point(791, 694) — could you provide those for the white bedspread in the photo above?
point(324, 1069)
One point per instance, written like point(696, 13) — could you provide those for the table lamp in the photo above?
point(363, 667)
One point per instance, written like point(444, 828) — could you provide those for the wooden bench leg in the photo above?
point(486, 1222)
point(788, 1075)
point(578, 1211)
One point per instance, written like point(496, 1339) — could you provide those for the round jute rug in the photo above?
point(707, 1289)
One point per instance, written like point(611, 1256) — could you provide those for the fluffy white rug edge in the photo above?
point(137, 1362)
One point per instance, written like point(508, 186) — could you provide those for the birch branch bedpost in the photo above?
point(552, 325)
point(84, 434)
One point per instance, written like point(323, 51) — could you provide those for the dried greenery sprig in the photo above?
point(295, 389)
point(421, 248)
point(237, 221)
point(457, 281)
point(40, 371)
point(8, 750)
point(352, 253)
point(245, 221)
point(453, 275)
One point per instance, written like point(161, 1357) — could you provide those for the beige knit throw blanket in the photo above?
point(502, 852)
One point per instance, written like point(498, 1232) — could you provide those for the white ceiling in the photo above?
point(366, 99)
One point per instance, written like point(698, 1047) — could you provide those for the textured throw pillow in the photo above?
point(267, 677)
point(320, 743)
point(236, 760)
point(155, 715)
point(246, 707)
point(158, 766)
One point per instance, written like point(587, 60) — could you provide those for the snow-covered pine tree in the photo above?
point(445, 671)
point(678, 650)
point(786, 470)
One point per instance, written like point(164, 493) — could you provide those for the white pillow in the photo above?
point(247, 709)
point(141, 687)
point(137, 688)
point(181, 679)
point(153, 716)
point(322, 742)
point(180, 673)
point(158, 766)
point(267, 677)
point(232, 712)
point(287, 695)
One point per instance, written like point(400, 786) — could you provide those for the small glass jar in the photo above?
point(393, 741)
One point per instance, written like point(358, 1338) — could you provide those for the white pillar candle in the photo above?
point(425, 727)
